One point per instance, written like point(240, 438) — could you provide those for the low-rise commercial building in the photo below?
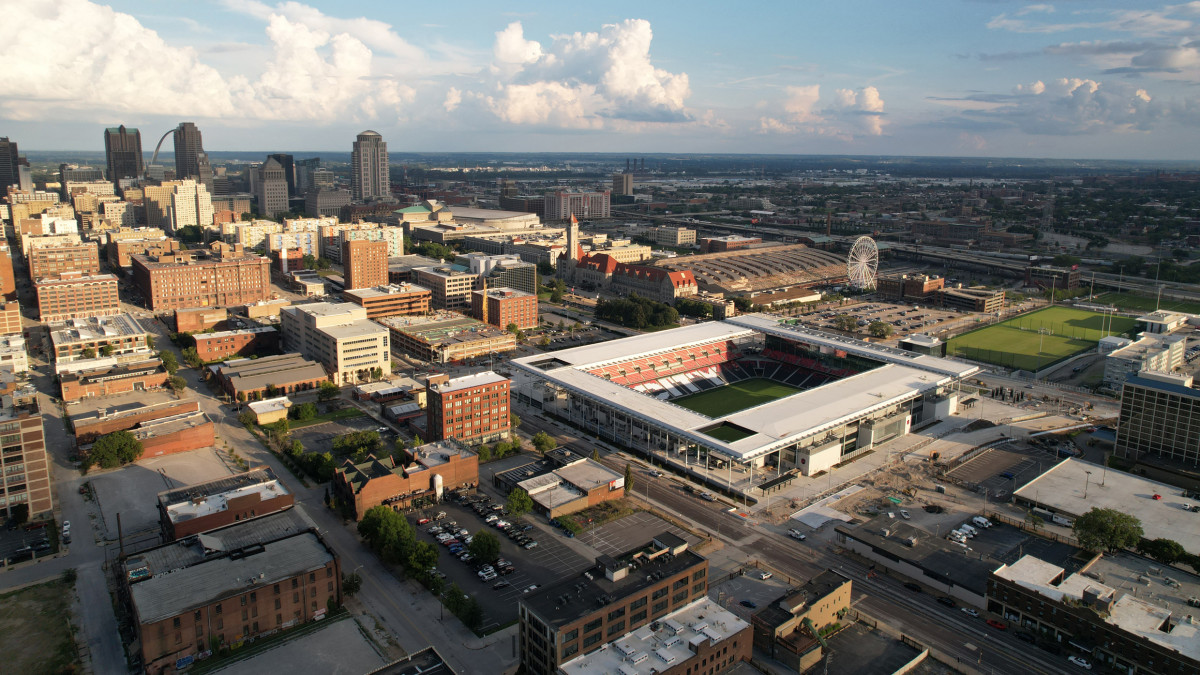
point(789, 629)
point(672, 236)
point(401, 299)
point(92, 424)
point(271, 410)
point(433, 468)
point(616, 596)
point(447, 337)
point(1057, 278)
point(229, 343)
point(199, 318)
point(71, 295)
point(972, 299)
point(23, 451)
point(730, 242)
point(451, 286)
point(1159, 353)
point(179, 433)
point(571, 484)
point(473, 408)
point(911, 287)
point(74, 339)
point(112, 379)
point(202, 507)
point(285, 374)
point(228, 586)
point(503, 307)
point(340, 336)
point(13, 354)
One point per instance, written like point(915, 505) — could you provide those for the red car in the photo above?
point(423, 521)
point(450, 542)
point(998, 625)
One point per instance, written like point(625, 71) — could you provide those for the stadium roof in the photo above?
point(772, 425)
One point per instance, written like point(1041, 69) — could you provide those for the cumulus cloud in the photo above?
point(1073, 106)
point(117, 65)
point(1034, 88)
point(453, 99)
point(1169, 20)
point(847, 114)
point(375, 34)
point(584, 79)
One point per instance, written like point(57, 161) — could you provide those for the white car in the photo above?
point(796, 534)
point(970, 612)
point(66, 527)
point(904, 514)
point(761, 574)
point(1081, 662)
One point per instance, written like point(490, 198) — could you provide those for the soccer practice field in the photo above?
point(734, 397)
point(1059, 332)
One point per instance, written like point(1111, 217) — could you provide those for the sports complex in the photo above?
point(1039, 339)
point(755, 394)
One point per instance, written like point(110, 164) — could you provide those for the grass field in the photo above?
point(35, 635)
point(1015, 343)
point(1144, 303)
point(734, 397)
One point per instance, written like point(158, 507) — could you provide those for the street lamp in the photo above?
point(1086, 481)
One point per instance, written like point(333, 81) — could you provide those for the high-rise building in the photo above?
point(123, 152)
point(582, 205)
point(303, 170)
point(271, 187)
point(471, 408)
point(72, 295)
point(503, 307)
point(50, 261)
point(320, 201)
point(369, 167)
point(366, 263)
point(190, 159)
point(1159, 419)
point(191, 204)
point(26, 467)
point(14, 169)
point(622, 184)
point(287, 163)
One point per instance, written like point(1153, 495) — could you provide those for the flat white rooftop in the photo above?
point(646, 651)
point(1062, 489)
point(640, 345)
point(219, 502)
point(467, 381)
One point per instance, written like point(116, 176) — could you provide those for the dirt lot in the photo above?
point(35, 633)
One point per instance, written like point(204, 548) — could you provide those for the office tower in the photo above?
point(123, 152)
point(340, 336)
point(303, 170)
point(1159, 419)
point(222, 275)
point(271, 187)
point(289, 170)
point(622, 184)
point(369, 167)
point(366, 263)
point(13, 167)
point(190, 159)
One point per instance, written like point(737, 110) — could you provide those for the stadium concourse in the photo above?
point(756, 394)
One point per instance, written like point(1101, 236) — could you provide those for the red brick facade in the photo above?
point(190, 438)
point(89, 429)
point(121, 379)
point(192, 320)
point(239, 508)
point(218, 346)
point(50, 261)
point(223, 276)
point(473, 414)
point(506, 306)
point(70, 295)
point(380, 481)
point(366, 263)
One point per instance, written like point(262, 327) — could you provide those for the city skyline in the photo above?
point(1103, 80)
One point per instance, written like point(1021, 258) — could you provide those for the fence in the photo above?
point(1025, 526)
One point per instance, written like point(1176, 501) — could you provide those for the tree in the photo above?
point(1164, 551)
point(351, 583)
point(545, 341)
point(247, 418)
point(366, 442)
point(192, 358)
point(112, 450)
point(176, 383)
point(596, 454)
point(304, 412)
point(170, 363)
point(543, 442)
point(485, 547)
point(272, 391)
point(514, 421)
point(423, 558)
point(310, 261)
point(88, 353)
point(519, 503)
point(377, 373)
point(106, 350)
point(545, 269)
point(471, 614)
point(484, 454)
point(1107, 530)
point(328, 391)
point(879, 329)
point(323, 263)
point(628, 478)
point(149, 341)
point(513, 328)
point(845, 322)
point(241, 397)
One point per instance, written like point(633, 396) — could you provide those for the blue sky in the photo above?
point(984, 78)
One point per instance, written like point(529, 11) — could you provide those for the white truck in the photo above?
point(981, 521)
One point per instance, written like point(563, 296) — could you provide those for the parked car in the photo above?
point(439, 515)
point(947, 601)
point(981, 521)
point(969, 611)
point(904, 514)
point(531, 588)
point(500, 584)
point(423, 521)
point(797, 534)
point(915, 588)
point(491, 518)
point(708, 496)
point(749, 603)
point(1026, 637)
point(761, 574)
point(530, 544)
point(1080, 661)
point(656, 473)
point(997, 624)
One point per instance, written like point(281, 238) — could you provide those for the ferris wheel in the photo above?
point(863, 263)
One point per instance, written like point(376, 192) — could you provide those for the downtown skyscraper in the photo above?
point(123, 152)
point(190, 159)
point(369, 177)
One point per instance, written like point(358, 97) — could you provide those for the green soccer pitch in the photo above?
point(731, 398)
point(1060, 332)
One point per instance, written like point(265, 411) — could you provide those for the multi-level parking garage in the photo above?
point(754, 270)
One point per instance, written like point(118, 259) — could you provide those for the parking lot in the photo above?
point(633, 530)
point(319, 437)
point(546, 563)
point(18, 544)
point(1004, 469)
point(731, 593)
point(904, 319)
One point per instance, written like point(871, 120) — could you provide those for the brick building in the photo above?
point(447, 464)
point(451, 286)
point(286, 373)
point(109, 380)
point(574, 484)
point(23, 450)
point(93, 424)
point(71, 295)
point(50, 261)
point(220, 276)
point(1058, 278)
point(75, 339)
point(180, 433)
point(504, 306)
point(121, 247)
point(224, 344)
point(10, 308)
point(242, 581)
point(201, 507)
point(366, 263)
point(473, 408)
point(614, 597)
point(583, 205)
point(788, 628)
point(401, 299)
point(971, 299)
point(908, 286)
point(199, 318)
point(730, 242)
point(447, 337)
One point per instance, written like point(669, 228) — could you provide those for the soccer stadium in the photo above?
point(755, 395)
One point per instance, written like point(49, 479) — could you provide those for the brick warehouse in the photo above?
point(171, 435)
point(224, 344)
point(221, 276)
point(287, 373)
point(91, 425)
point(49, 261)
point(71, 295)
point(265, 574)
point(200, 507)
point(473, 409)
point(198, 319)
point(115, 379)
point(381, 481)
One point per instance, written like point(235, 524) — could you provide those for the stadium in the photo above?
point(754, 395)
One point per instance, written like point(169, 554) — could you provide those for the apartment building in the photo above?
point(73, 295)
point(306, 242)
point(582, 205)
point(502, 307)
point(23, 453)
point(365, 263)
point(10, 308)
point(451, 286)
point(616, 596)
point(222, 275)
point(473, 408)
point(391, 300)
point(252, 234)
point(672, 236)
point(340, 337)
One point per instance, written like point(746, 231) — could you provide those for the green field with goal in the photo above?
point(1038, 339)
point(734, 397)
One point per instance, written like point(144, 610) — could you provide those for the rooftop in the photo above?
point(252, 374)
point(1114, 607)
point(649, 650)
point(270, 405)
point(230, 333)
point(443, 328)
point(506, 293)
point(202, 499)
point(468, 381)
point(1074, 487)
point(94, 329)
point(385, 291)
point(1145, 346)
point(425, 662)
point(575, 597)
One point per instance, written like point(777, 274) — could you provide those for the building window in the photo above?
point(639, 603)
point(659, 607)
point(616, 614)
point(218, 608)
point(571, 635)
point(616, 628)
point(591, 640)
point(592, 625)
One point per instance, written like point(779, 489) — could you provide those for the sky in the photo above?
point(1080, 79)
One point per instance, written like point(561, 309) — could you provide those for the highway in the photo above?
point(918, 615)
